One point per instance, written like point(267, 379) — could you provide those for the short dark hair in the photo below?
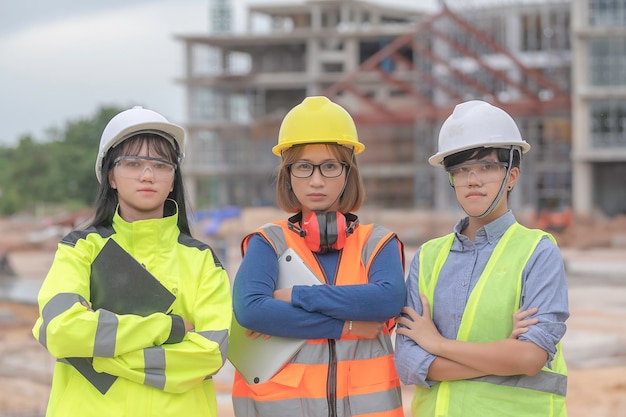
point(480, 152)
point(353, 194)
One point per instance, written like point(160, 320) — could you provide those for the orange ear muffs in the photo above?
point(323, 231)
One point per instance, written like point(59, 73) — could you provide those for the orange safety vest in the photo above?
point(329, 377)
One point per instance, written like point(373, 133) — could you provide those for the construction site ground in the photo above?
point(594, 346)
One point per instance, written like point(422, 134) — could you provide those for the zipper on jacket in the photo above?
point(331, 379)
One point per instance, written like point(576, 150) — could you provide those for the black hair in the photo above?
point(480, 152)
point(106, 197)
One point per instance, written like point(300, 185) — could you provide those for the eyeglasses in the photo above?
point(484, 171)
point(328, 169)
point(135, 166)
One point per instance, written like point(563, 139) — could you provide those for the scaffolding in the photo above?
point(399, 72)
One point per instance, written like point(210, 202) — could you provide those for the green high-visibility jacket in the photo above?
point(155, 368)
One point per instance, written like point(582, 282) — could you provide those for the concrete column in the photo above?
point(582, 170)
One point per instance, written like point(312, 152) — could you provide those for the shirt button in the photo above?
point(464, 283)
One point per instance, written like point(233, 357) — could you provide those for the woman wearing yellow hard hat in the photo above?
point(487, 304)
point(346, 367)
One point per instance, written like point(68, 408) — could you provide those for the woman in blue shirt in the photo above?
point(453, 339)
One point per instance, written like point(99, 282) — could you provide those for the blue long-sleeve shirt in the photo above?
point(543, 286)
point(319, 311)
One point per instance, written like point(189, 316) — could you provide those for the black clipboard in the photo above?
point(121, 285)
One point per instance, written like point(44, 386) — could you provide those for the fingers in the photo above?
point(517, 332)
point(521, 314)
point(529, 322)
point(521, 322)
point(188, 325)
point(255, 335)
point(367, 329)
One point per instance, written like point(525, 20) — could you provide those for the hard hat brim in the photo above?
point(357, 146)
point(437, 159)
point(173, 133)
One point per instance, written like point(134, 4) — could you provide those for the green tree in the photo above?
point(58, 171)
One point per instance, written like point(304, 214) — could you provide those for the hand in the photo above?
point(520, 324)
point(420, 328)
point(188, 325)
point(284, 294)
point(254, 335)
point(364, 329)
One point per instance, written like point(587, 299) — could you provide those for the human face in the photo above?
point(317, 192)
point(477, 183)
point(141, 196)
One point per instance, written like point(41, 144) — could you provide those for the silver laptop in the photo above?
point(258, 360)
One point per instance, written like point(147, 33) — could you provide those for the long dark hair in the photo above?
point(106, 198)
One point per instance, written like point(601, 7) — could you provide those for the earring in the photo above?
point(510, 187)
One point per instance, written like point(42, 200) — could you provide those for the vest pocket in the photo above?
point(289, 377)
point(376, 371)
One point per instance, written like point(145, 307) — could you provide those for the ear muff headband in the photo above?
point(323, 231)
point(335, 229)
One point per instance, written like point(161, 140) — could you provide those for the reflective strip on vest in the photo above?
point(55, 306)
point(317, 353)
point(154, 367)
point(545, 381)
point(106, 334)
point(104, 343)
point(363, 404)
point(220, 337)
point(276, 236)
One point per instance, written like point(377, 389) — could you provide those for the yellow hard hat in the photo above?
point(317, 120)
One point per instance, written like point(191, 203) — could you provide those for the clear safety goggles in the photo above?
point(135, 167)
point(483, 172)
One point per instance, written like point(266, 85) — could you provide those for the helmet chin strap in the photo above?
point(495, 201)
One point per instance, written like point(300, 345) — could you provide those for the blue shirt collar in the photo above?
point(490, 232)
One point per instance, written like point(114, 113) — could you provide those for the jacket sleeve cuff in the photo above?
point(178, 330)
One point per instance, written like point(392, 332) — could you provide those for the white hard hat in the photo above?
point(473, 124)
point(138, 120)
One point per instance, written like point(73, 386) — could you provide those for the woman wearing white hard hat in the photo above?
point(487, 304)
point(346, 367)
point(143, 356)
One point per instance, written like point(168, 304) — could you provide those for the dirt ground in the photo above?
point(26, 371)
point(594, 346)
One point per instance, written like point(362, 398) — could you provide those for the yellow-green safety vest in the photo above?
point(496, 295)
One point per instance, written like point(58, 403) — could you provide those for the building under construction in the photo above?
point(400, 72)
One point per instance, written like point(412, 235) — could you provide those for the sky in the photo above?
point(61, 60)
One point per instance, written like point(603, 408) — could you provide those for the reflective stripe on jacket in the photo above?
point(488, 317)
point(329, 377)
point(153, 376)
